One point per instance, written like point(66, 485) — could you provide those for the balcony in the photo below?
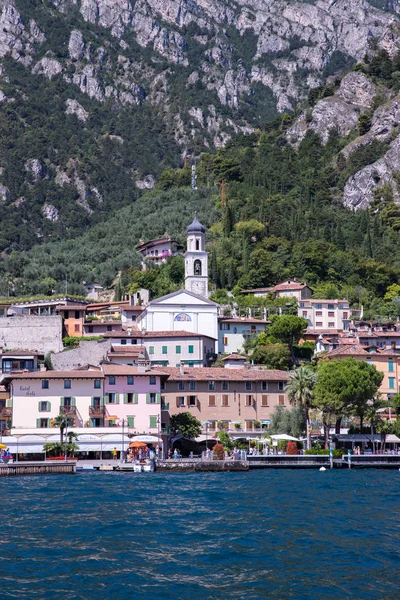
point(96, 411)
point(68, 410)
point(165, 406)
point(5, 413)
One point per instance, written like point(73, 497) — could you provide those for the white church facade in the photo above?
point(188, 309)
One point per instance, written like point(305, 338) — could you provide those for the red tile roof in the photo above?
point(282, 287)
point(218, 373)
point(90, 374)
point(243, 320)
point(110, 369)
point(355, 350)
point(234, 356)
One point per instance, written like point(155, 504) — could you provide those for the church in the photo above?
point(189, 309)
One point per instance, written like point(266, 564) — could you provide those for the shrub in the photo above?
point(291, 448)
point(218, 452)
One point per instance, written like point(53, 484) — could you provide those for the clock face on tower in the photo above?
point(199, 287)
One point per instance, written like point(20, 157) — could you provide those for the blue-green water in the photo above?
point(264, 534)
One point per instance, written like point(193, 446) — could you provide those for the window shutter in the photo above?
point(158, 398)
point(39, 406)
point(177, 401)
point(92, 401)
point(147, 398)
point(9, 403)
point(62, 401)
point(153, 422)
point(126, 399)
point(131, 422)
point(48, 406)
point(116, 398)
point(135, 398)
point(73, 401)
point(90, 422)
point(38, 423)
point(101, 400)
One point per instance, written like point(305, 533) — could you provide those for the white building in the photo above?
point(234, 331)
point(325, 315)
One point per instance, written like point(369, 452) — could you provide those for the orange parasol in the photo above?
point(137, 445)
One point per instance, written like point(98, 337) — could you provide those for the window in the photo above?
point(225, 341)
point(197, 267)
point(90, 329)
point(66, 314)
point(162, 385)
point(192, 386)
point(281, 400)
point(225, 326)
point(180, 401)
point(67, 402)
point(249, 425)
point(152, 398)
point(96, 402)
point(341, 305)
point(112, 380)
point(77, 315)
point(77, 328)
point(153, 422)
point(345, 315)
point(151, 349)
point(97, 384)
point(264, 400)
point(43, 423)
point(391, 383)
point(111, 398)
point(249, 400)
point(301, 304)
point(45, 384)
point(44, 406)
point(264, 386)
point(131, 421)
point(191, 349)
point(133, 342)
point(318, 305)
point(130, 380)
point(130, 398)
point(67, 384)
point(212, 426)
point(305, 314)
point(152, 380)
point(123, 342)
point(109, 328)
point(225, 386)
point(318, 313)
point(211, 400)
point(192, 401)
point(225, 400)
point(181, 385)
point(281, 386)
point(331, 324)
point(318, 324)
point(331, 313)
point(331, 306)
point(178, 349)
point(164, 350)
point(211, 386)
point(248, 386)
point(391, 366)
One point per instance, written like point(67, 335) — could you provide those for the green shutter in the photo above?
point(101, 400)
point(164, 350)
point(38, 423)
point(39, 406)
point(90, 422)
point(147, 398)
point(73, 401)
point(191, 349)
point(151, 350)
point(135, 398)
point(158, 398)
point(62, 401)
point(48, 406)
point(126, 399)
point(92, 401)
point(131, 422)
point(9, 403)
point(153, 422)
point(178, 350)
point(116, 398)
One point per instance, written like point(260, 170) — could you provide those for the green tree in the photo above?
point(364, 124)
point(62, 422)
point(288, 329)
point(186, 424)
point(300, 391)
point(225, 440)
point(345, 387)
point(274, 356)
point(289, 421)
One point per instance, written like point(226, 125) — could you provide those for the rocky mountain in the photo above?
point(99, 96)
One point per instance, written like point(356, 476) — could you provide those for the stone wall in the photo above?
point(88, 353)
point(43, 334)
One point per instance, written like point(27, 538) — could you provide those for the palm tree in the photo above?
point(373, 416)
point(62, 421)
point(300, 391)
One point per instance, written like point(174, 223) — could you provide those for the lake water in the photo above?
point(264, 534)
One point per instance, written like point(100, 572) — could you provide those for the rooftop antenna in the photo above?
point(194, 178)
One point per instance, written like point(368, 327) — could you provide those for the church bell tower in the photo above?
point(196, 259)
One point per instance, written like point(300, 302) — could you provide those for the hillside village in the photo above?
point(128, 366)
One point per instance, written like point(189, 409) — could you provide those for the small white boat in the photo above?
point(147, 468)
point(137, 468)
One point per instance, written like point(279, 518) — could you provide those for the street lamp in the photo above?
point(121, 458)
point(206, 423)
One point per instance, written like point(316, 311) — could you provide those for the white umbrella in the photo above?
point(283, 436)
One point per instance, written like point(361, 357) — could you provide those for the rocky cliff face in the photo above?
point(192, 74)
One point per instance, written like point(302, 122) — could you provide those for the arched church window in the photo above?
point(197, 267)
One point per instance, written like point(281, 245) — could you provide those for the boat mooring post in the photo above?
point(331, 457)
point(349, 458)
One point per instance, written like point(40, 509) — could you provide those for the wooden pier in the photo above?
point(37, 468)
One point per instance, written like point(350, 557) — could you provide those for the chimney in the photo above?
point(43, 367)
point(141, 363)
point(182, 368)
point(129, 331)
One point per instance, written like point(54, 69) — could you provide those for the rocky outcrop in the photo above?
point(74, 108)
point(34, 166)
point(49, 67)
point(50, 212)
point(358, 191)
point(339, 112)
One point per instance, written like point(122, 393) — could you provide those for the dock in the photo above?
point(37, 468)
